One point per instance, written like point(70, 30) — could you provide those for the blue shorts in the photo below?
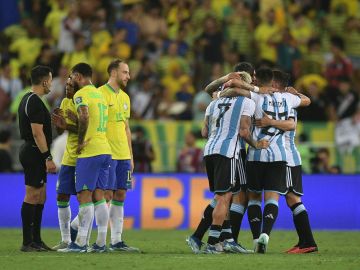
point(120, 175)
point(66, 180)
point(92, 173)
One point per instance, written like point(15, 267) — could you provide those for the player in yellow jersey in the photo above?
point(119, 137)
point(66, 181)
point(94, 157)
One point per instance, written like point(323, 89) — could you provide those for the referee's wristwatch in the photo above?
point(49, 158)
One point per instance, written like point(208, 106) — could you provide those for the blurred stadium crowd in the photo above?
point(174, 48)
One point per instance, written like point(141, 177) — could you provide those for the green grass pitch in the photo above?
point(168, 250)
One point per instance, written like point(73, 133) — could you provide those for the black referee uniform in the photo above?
point(33, 110)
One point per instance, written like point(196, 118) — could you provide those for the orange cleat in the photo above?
point(304, 250)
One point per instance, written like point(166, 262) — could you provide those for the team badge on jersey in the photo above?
point(125, 106)
point(78, 100)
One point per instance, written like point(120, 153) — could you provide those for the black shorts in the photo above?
point(294, 180)
point(225, 174)
point(266, 176)
point(34, 165)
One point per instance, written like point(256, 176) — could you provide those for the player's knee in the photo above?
point(271, 196)
point(240, 198)
point(292, 199)
point(98, 195)
point(63, 197)
point(84, 197)
point(109, 194)
point(120, 195)
point(254, 196)
point(33, 196)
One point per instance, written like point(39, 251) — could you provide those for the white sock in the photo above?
point(102, 220)
point(116, 220)
point(90, 229)
point(75, 223)
point(86, 215)
point(64, 216)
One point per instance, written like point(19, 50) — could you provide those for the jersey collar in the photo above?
point(112, 89)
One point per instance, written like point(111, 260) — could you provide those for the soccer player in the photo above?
point(94, 157)
point(224, 128)
point(119, 136)
point(66, 180)
point(266, 169)
point(35, 157)
point(306, 243)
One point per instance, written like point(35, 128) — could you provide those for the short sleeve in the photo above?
point(80, 99)
point(127, 107)
point(34, 110)
point(254, 96)
point(208, 108)
point(62, 105)
point(249, 107)
point(294, 101)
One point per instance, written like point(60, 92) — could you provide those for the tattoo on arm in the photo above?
point(83, 123)
point(245, 124)
point(214, 85)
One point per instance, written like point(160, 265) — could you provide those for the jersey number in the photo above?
point(266, 130)
point(224, 107)
point(103, 118)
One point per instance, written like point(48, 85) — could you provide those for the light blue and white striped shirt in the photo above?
point(223, 116)
point(277, 106)
point(293, 157)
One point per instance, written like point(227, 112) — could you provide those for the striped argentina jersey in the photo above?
point(293, 157)
point(277, 106)
point(223, 116)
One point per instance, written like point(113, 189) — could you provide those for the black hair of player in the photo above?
point(83, 69)
point(39, 74)
point(281, 77)
point(244, 66)
point(264, 75)
point(114, 65)
point(5, 136)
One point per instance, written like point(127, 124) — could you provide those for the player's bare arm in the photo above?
point(205, 128)
point(244, 132)
point(238, 83)
point(284, 125)
point(59, 121)
point(214, 85)
point(83, 124)
point(235, 92)
point(40, 140)
point(128, 135)
point(305, 101)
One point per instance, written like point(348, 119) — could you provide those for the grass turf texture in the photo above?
point(168, 250)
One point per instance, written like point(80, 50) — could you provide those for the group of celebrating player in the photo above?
point(97, 162)
point(258, 109)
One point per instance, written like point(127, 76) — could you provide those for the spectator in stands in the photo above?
point(352, 41)
point(58, 88)
point(190, 157)
point(143, 99)
point(143, 151)
point(320, 164)
point(6, 163)
point(11, 86)
point(312, 61)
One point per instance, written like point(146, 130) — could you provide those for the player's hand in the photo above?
point(50, 166)
point(291, 90)
point(58, 111)
point(265, 121)
point(262, 144)
point(59, 121)
point(72, 116)
point(214, 95)
point(233, 75)
point(81, 146)
point(267, 90)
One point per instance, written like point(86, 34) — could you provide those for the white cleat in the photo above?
point(262, 244)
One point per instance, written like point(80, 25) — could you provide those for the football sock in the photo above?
point(116, 220)
point(255, 217)
point(270, 214)
point(64, 216)
point(102, 220)
point(302, 225)
point(27, 216)
point(236, 215)
point(37, 223)
point(205, 221)
point(214, 234)
point(86, 215)
point(226, 233)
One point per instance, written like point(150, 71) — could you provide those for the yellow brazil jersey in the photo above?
point(119, 112)
point(98, 116)
point(70, 155)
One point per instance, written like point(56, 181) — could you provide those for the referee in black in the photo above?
point(35, 157)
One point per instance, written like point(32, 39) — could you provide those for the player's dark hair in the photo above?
point(264, 75)
point(244, 66)
point(281, 77)
point(39, 74)
point(83, 69)
point(114, 65)
point(5, 136)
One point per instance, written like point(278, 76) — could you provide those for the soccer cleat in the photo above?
point(121, 246)
point(95, 248)
point(73, 234)
point(42, 246)
point(30, 248)
point(213, 249)
point(74, 248)
point(61, 245)
point(304, 250)
point(234, 247)
point(194, 243)
point(262, 243)
point(292, 249)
